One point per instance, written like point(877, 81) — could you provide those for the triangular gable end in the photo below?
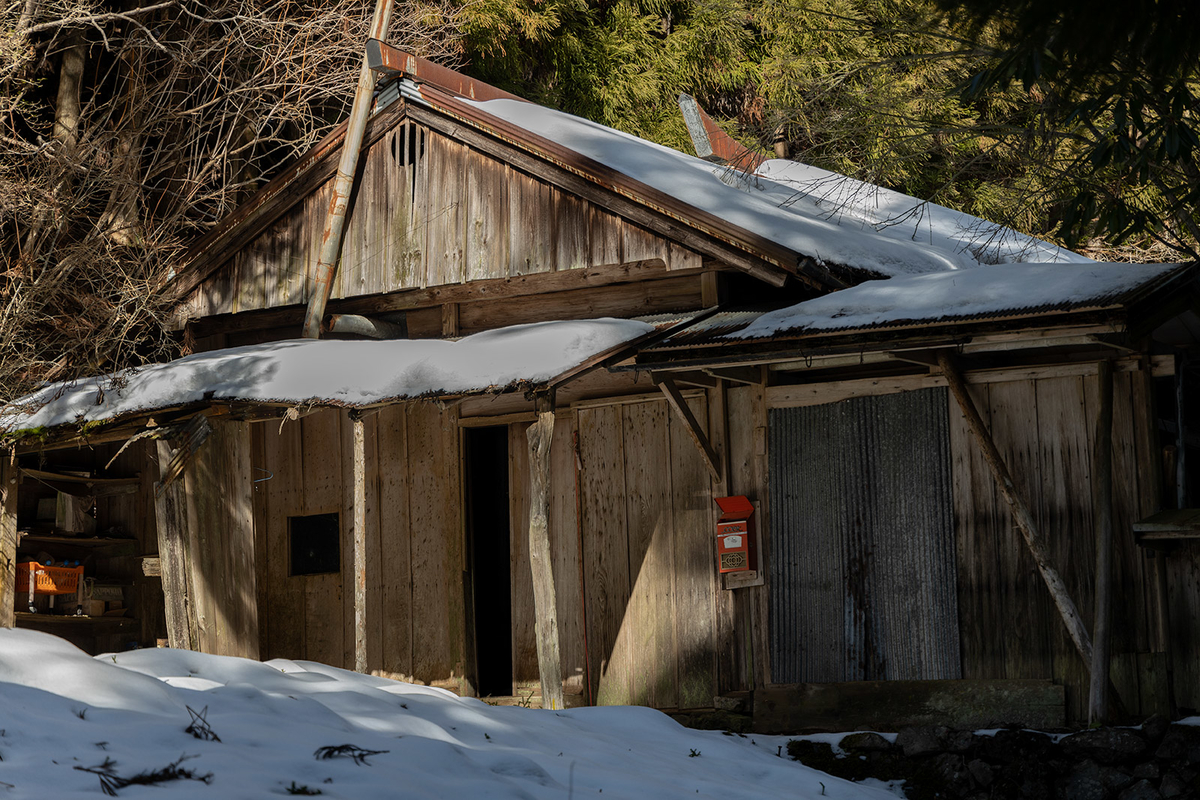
point(442, 203)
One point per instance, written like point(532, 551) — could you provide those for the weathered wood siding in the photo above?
point(1010, 628)
point(648, 556)
point(222, 590)
point(430, 211)
point(415, 617)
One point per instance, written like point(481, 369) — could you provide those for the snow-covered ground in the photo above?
point(128, 713)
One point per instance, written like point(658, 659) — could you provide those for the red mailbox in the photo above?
point(737, 541)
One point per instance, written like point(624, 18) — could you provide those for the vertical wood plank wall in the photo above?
point(648, 556)
point(223, 593)
point(1009, 626)
point(430, 211)
point(414, 542)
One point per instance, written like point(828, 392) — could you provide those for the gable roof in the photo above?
point(781, 220)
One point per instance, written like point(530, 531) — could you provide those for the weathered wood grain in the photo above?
point(9, 484)
point(283, 448)
point(650, 615)
point(324, 623)
point(540, 435)
point(695, 559)
point(395, 541)
point(605, 550)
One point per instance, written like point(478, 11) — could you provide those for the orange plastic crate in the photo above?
point(48, 580)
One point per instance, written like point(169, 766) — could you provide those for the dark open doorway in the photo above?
point(488, 534)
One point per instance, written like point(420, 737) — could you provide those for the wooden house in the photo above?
point(786, 355)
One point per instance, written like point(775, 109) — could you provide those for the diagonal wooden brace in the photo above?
point(692, 426)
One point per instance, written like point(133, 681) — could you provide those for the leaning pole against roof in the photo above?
point(343, 183)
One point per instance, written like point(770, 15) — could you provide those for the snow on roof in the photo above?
point(334, 372)
point(857, 205)
point(783, 204)
point(66, 712)
point(1007, 288)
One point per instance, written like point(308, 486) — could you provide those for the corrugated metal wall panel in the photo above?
point(863, 577)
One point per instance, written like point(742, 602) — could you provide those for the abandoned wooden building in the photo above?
point(966, 472)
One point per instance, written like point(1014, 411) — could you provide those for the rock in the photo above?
point(1180, 743)
point(921, 741)
point(981, 772)
point(1105, 745)
point(1149, 771)
point(1011, 746)
point(1086, 782)
point(950, 772)
point(1173, 785)
point(960, 741)
point(1142, 790)
point(1155, 728)
point(865, 742)
point(730, 703)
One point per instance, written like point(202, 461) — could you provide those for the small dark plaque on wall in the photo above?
point(315, 542)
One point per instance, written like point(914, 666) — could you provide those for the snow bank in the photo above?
point(987, 290)
point(783, 204)
point(332, 371)
point(271, 718)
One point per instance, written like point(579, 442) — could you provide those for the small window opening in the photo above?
point(315, 543)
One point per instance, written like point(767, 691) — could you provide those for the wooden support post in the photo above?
point(9, 480)
point(360, 544)
point(170, 509)
point(545, 609)
point(675, 399)
point(1020, 512)
point(1102, 501)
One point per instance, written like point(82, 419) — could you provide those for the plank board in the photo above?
point(324, 630)
point(486, 253)
point(605, 550)
point(283, 448)
point(649, 617)
point(564, 542)
point(695, 557)
point(1028, 645)
point(374, 601)
point(395, 541)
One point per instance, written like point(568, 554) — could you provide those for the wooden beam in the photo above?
point(545, 608)
point(450, 320)
point(1020, 511)
point(360, 544)
point(692, 426)
point(170, 510)
point(696, 378)
point(1102, 504)
point(475, 291)
point(752, 376)
point(8, 539)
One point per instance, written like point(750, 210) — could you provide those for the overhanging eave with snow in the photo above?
point(268, 380)
point(1090, 307)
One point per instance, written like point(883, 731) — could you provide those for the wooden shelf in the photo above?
point(1172, 524)
point(99, 545)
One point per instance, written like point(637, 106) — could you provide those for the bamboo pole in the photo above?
point(335, 218)
point(1020, 512)
point(360, 545)
point(540, 435)
point(1103, 512)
